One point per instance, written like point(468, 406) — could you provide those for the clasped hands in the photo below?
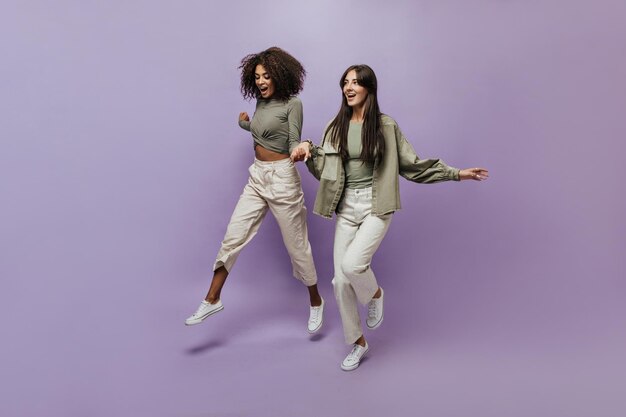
point(302, 152)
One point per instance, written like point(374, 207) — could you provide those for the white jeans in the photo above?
point(273, 185)
point(358, 235)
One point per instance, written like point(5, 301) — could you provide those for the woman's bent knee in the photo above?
point(352, 269)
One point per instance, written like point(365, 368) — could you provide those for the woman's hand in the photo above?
point(243, 117)
point(301, 152)
point(476, 174)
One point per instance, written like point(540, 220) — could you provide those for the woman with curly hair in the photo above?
point(362, 153)
point(274, 78)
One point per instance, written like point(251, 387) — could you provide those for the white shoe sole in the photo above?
point(356, 365)
point(377, 325)
point(198, 320)
point(313, 331)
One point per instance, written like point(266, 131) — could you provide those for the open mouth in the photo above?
point(263, 89)
point(350, 95)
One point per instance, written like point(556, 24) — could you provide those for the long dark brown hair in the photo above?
point(285, 71)
point(372, 140)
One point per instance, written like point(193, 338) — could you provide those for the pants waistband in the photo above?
point(273, 164)
point(359, 192)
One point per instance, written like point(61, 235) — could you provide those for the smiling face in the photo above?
point(355, 93)
point(264, 82)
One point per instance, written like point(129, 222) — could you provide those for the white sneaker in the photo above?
point(353, 359)
point(205, 310)
point(316, 318)
point(375, 311)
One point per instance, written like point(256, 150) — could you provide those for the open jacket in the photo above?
point(399, 159)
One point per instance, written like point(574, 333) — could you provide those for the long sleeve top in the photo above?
point(276, 124)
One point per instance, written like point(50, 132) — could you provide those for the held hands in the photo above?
point(476, 174)
point(243, 117)
point(301, 152)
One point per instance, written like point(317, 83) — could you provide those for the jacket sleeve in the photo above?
point(423, 171)
point(315, 163)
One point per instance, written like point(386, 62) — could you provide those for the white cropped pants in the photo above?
point(274, 186)
point(358, 235)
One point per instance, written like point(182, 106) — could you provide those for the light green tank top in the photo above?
point(358, 173)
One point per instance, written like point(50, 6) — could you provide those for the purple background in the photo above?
point(121, 162)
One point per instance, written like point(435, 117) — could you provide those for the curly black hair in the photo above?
point(286, 72)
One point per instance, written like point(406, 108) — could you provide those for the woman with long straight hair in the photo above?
point(274, 78)
point(357, 163)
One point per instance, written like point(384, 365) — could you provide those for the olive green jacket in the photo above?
point(399, 159)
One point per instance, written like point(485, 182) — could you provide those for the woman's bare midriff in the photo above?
point(263, 154)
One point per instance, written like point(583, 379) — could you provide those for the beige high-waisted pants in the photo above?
point(273, 185)
point(358, 235)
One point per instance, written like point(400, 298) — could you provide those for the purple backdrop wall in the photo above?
point(121, 162)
